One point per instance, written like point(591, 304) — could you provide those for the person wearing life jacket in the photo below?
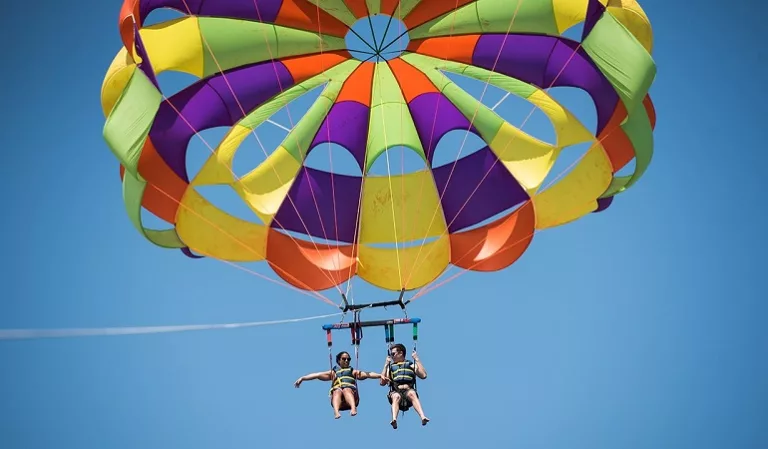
point(401, 376)
point(343, 392)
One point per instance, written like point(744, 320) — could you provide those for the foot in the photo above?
point(393, 424)
point(336, 415)
point(353, 412)
point(424, 421)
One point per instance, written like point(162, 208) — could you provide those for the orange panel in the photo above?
point(388, 7)
point(453, 48)
point(307, 265)
point(358, 8)
point(358, 86)
point(164, 189)
point(130, 7)
point(304, 67)
point(496, 245)
point(412, 81)
point(306, 16)
point(650, 109)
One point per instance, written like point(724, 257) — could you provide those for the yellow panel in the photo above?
point(415, 200)
point(632, 16)
point(218, 167)
point(265, 188)
point(576, 193)
point(379, 266)
point(568, 13)
point(527, 158)
point(116, 79)
point(568, 129)
point(210, 231)
point(175, 45)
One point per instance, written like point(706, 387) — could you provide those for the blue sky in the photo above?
point(639, 327)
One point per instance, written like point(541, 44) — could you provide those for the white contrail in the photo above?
point(17, 334)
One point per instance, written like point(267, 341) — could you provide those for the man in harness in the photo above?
point(402, 375)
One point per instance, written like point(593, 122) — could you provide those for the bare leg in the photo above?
point(336, 401)
point(417, 406)
point(395, 407)
point(349, 396)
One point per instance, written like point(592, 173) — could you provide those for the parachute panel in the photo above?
point(310, 265)
point(211, 232)
point(392, 209)
point(404, 268)
point(496, 245)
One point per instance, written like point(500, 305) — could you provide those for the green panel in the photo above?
point(492, 16)
point(374, 6)
point(391, 125)
point(504, 82)
point(461, 21)
point(129, 123)
point(623, 60)
point(133, 192)
point(298, 140)
point(538, 16)
point(638, 129)
point(293, 42)
point(618, 184)
point(386, 89)
point(337, 9)
point(485, 120)
point(234, 43)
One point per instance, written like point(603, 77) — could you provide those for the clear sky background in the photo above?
point(640, 327)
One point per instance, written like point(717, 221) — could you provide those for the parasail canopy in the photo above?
point(398, 231)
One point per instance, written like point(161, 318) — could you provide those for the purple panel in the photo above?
point(145, 66)
point(312, 191)
point(595, 10)
point(539, 59)
point(188, 252)
point(497, 192)
point(346, 125)
point(261, 10)
point(603, 204)
point(434, 116)
point(210, 103)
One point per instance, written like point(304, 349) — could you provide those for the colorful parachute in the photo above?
point(253, 57)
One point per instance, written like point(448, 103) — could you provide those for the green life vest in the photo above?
point(344, 378)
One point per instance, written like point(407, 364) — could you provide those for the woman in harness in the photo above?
point(402, 375)
point(343, 391)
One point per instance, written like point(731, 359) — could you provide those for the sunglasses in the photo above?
point(346, 358)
